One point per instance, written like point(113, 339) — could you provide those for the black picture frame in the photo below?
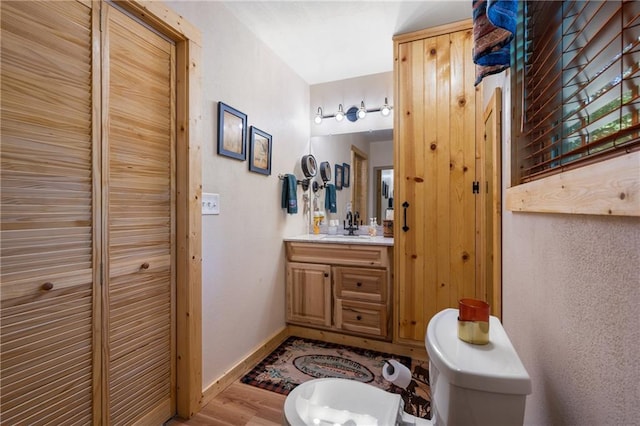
point(346, 175)
point(260, 147)
point(338, 176)
point(232, 132)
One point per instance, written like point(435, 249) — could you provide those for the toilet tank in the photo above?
point(474, 384)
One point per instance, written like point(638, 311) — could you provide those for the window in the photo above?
point(575, 87)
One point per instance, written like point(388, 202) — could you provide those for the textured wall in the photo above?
point(243, 255)
point(571, 307)
point(571, 297)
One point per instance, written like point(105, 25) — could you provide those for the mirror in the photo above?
point(365, 153)
point(308, 165)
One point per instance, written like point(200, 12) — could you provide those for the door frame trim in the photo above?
point(188, 42)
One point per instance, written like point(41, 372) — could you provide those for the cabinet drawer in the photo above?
point(361, 284)
point(338, 254)
point(361, 317)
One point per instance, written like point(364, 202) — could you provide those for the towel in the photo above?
point(289, 195)
point(330, 204)
point(494, 26)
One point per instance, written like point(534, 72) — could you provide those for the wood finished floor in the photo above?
point(237, 405)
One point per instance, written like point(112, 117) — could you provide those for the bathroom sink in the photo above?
point(342, 237)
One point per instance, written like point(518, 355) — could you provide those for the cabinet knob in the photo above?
point(47, 286)
point(326, 274)
point(145, 265)
point(358, 317)
point(359, 284)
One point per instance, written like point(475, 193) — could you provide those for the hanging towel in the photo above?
point(289, 195)
point(330, 204)
point(494, 25)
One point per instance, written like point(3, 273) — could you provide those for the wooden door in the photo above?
point(435, 170)
point(48, 276)
point(87, 259)
point(490, 207)
point(138, 177)
point(359, 182)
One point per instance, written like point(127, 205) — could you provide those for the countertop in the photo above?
point(342, 239)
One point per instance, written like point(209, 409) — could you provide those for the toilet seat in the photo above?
point(330, 402)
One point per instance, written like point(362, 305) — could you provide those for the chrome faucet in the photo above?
point(352, 220)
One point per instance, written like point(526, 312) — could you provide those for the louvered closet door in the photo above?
point(46, 275)
point(138, 169)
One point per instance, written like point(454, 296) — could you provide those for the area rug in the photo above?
point(297, 360)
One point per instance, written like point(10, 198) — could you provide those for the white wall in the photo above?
point(571, 297)
point(243, 255)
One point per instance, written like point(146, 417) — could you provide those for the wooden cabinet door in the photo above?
point(435, 154)
point(47, 275)
point(309, 293)
point(138, 172)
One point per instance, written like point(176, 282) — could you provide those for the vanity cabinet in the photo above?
point(340, 287)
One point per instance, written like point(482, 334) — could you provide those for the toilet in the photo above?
point(470, 385)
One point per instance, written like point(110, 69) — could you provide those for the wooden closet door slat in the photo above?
point(46, 336)
point(139, 167)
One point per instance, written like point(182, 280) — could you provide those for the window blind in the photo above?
point(580, 97)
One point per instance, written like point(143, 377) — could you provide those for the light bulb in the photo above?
point(385, 110)
point(318, 118)
point(340, 113)
point(362, 112)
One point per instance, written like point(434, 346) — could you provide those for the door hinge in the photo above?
point(476, 187)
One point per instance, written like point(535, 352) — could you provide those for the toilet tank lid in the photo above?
point(494, 367)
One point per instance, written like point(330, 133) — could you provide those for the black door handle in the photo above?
point(405, 205)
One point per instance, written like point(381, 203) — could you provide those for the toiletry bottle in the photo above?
point(316, 222)
point(372, 227)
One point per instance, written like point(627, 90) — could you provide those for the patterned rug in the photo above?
point(297, 360)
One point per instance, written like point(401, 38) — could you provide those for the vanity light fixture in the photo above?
point(354, 113)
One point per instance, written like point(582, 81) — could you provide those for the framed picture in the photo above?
point(232, 132)
point(260, 151)
point(346, 175)
point(338, 174)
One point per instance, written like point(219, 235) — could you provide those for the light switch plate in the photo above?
point(210, 203)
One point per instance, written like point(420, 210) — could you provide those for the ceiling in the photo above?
point(325, 41)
